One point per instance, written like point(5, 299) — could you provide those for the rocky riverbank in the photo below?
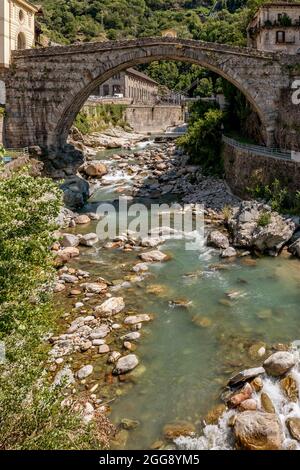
point(260, 409)
point(96, 348)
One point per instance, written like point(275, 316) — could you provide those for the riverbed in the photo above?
point(228, 310)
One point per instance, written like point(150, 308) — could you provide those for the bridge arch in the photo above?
point(47, 87)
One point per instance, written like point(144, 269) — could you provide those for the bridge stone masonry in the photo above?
point(46, 88)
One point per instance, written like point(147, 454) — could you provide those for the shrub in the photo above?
point(264, 219)
point(202, 142)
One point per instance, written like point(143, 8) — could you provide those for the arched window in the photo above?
point(21, 41)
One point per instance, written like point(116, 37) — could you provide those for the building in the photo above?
point(276, 27)
point(17, 27)
point(131, 84)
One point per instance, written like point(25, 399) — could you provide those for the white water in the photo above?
point(220, 437)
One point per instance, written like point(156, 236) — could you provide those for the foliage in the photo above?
point(203, 140)
point(69, 21)
point(278, 196)
point(30, 412)
point(103, 116)
point(264, 219)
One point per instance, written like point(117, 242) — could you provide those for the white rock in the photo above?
point(84, 372)
point(69, 278)
point(133, 319)
point(111, 306)
point(140, 267)
point(154, 256)
point(93, 287)
point(126, 364)
point(69, 239)
point(133, 336)
point(100, 332)
point(279, 363)
point(90, 239)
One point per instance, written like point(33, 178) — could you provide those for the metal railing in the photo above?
point(259, 149)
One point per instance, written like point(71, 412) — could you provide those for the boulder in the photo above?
point(230, 252)
point(69, 239)
point(218, 240)
point(267, 403)
point(95, 169)
point(151, 242)
point(245, 375)
point(82, 219)
point(257, 430)
point(100, 332)
point(290, 388)
point(181, 428)
point(279, 363)
point(293, 425)
point(295, 248)
point(63, 256)
point(154, 256)
point(111, 306)
point(133, 319)
point(140, 267)
point(242, 395)
point(84, 372)
point(126, 364)
point(133, 336)
point(90, 239)
point(76, 192)
point(249, 231)
point(94, 287)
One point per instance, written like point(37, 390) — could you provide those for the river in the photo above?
point(188, 353)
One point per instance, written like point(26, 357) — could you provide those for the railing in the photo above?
point(259, 149)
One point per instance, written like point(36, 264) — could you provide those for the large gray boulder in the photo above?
point(110, 307)
point(295, 248)
point(218, 240)
point(76, 192)
point(279, 363)
point(255, 226)
point(126, 364)
point(257, 430)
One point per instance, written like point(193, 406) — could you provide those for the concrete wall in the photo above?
point(244, 169)
point(154, 119)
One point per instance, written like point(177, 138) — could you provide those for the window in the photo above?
point(105, 90)
point(280, 37)
point(117, 76)
point(21, 41)
point(279, 16)
point(116, 89)
point(21, 16)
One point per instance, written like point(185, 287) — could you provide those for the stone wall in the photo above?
point(243, 169)
point(47, 87)
point(153, 119)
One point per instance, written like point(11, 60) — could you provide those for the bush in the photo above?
point(30, 413)
point(104, 116)
point(264, 219)
point(203, 139)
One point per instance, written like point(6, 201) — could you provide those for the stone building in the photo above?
point(131, 84)
point(17, 27)
point(276, 27)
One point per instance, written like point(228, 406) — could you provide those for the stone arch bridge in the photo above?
point(46, 87)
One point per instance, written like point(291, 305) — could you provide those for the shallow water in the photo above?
point(188, 354)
